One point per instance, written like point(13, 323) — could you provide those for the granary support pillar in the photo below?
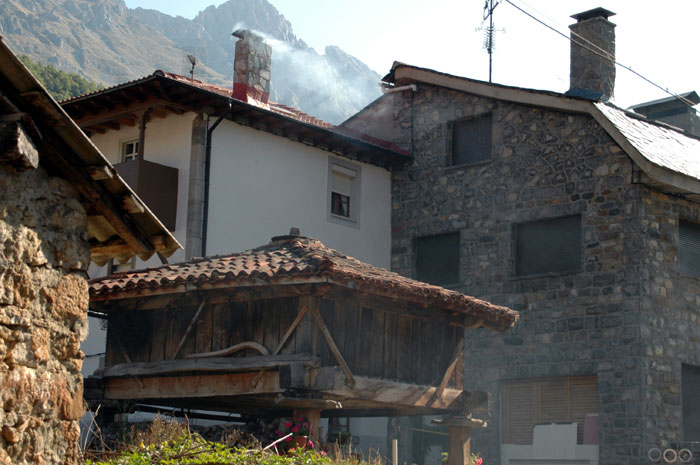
point(313, 415)
point(459, 435)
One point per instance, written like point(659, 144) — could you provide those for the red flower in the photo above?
point(295, 429)
point(287, 424)
point(479, 462)
point(289, 439)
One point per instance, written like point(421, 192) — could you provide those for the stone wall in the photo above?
point(43, 311)
point(670, 324)
point(545, 164)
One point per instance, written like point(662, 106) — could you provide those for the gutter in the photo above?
point(207, 175)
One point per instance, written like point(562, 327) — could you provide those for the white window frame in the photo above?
point(342, 166)
point(122, 150)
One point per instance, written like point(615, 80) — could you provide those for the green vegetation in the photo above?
point(61, 85)
point(171, 443)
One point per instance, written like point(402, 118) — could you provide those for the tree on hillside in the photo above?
point(61, 85)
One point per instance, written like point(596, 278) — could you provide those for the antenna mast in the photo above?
point(489, 36)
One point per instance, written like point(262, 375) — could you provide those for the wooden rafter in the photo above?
point(332, 346)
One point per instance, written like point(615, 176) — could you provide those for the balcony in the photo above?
point(156, 185)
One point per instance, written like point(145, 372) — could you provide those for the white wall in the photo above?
point(168, 142)
point(261, 185)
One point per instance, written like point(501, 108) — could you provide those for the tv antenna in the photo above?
point(193, 61)
point(490, 31)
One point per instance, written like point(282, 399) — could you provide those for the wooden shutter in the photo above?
point(548, 246)
point(471, 140)
point(518, 412)
point(689, 247)
point(437, 259)
point(690, 401)
point(546, 400)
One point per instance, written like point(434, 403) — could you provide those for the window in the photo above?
point(344, 192)
point(546, 400)
point(471, 140)
point(548, 246)
point(689, 247)
point(437, 259)
point(130, 150)
point(690, 401)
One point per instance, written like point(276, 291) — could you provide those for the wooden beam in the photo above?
point(232, 350)
point(313, 416)
point(192, 386)
point(189, 329)
point(331, 344)
point(132, 204)
point(227, 364)
point(399, 394)
point(457, 356)
point(100, 172)
point(17, 147)
point(288, 333)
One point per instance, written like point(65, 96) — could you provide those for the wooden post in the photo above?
point(459, 449)
point(313, 415)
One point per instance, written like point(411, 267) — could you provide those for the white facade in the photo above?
point(261, 185)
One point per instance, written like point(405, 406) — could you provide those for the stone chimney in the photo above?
point(251, 68)
point(592, 75)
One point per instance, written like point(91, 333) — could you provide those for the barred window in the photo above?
point(689, 247)
point(548, 246)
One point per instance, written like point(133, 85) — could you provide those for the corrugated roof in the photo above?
point(295, 260)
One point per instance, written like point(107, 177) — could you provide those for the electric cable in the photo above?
point(583, 42)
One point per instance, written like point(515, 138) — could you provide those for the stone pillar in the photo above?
point(44, 256)
point(592, 71)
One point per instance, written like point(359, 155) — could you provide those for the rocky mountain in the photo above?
point(105, 41)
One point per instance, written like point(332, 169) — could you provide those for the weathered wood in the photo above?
point(286, 335)
point(364, 349)
point(403, 349)
point(329, 340)
point(16, 146)
point(193, 387)
point(459, 445)
point(221, 317)
point(189, 329)
point(457, 357)
point(206, 364)
point(327, 313)
point(415, 350)
point(100, 172)
point(313, 416)
point(399, 394)
point(132, 204)
point(352, 331)
point(271, 313)
point(204, 328)
point(376, 343)
point(158, 336)
point(302, 338)
point(232, 350)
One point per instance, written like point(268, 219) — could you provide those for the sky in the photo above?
point(656, 39)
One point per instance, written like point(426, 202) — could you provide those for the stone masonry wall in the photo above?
point(43, 311)
point(545, 164)
point(670, 323)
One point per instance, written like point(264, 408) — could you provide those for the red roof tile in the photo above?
point(295, 260)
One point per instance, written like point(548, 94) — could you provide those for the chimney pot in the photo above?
point(592, 71)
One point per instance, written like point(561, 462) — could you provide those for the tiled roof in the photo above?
point(661, 145)
point(296, 260)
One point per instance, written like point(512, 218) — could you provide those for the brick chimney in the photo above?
point(251, 68)
point(592, 75)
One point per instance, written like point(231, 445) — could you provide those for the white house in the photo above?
point(225, 169)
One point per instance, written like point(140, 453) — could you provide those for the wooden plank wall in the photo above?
point(374, 342)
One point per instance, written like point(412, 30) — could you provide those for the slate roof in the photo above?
point(295, 260)
point(660, 144)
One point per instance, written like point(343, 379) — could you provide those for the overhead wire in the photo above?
point(591, 47)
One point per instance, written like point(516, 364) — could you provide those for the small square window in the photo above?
point(344, 192)
point(548, 246)
point(130, 150)
point(689, 248)
point(690, 401)
point(471, 140)
point(437, 259)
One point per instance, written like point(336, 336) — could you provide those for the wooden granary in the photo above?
point(290, 327)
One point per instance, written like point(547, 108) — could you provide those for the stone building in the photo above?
point(580, 215)
point(61, 206)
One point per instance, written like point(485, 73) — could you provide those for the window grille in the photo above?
point(690, 400)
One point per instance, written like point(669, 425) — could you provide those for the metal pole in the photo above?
point(490, 36)
point(395, 451)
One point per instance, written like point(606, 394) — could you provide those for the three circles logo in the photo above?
point(663, 456)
